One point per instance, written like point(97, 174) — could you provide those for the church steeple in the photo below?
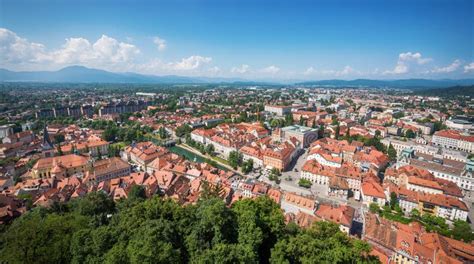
point(46, 145)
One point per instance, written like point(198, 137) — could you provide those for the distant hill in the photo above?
point(403, 83)
point(81, 74)
point(87, 75)
point(449, 92)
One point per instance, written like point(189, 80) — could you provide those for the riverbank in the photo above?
point(193, 155)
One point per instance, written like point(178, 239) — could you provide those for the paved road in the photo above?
point(320, 192)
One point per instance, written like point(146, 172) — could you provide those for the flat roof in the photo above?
point(299, 129)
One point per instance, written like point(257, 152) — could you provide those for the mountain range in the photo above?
point(81, 74)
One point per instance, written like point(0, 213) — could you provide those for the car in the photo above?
point(296, 170)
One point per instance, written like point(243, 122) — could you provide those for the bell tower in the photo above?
point(46, 145)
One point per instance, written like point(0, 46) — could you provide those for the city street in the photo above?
point(289, 182)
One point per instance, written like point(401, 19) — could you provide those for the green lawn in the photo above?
point(219, 159)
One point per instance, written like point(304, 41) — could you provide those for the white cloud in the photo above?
point(347, 70)
point(416, 57)
point(405, 60)
point(244, 68)
point(309, 71)
point(75, 50)
point(160, 43)
point(450, 68)
point(190, 63)
point(399, 69)
point(469, 67)
point(14, 49)
point(105, 52)
point(270, 69)
point(214, 70)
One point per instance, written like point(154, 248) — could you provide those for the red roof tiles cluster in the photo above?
point(341, 215)
point(390, 238)
point(454, 134)
point(410, 174)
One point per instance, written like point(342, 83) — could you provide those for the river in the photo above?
point(191, 156)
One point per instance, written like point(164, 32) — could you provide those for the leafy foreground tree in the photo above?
point(95, 230)
point(322, 243)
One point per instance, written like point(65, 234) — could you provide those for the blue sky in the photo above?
point(245, 39)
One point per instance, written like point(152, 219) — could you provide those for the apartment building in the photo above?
point(453, 139)
point(305, 135)
point(279, 110)
point(458, 172)
point(107, 169)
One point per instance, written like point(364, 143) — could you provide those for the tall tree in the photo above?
point(391, 152)
point(410, 134)
point(313, 246)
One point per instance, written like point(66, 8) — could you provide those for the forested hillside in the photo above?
point(449, 92)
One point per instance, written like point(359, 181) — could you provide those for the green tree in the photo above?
point(213, 225)
point(410, 134)
point(462, 230)
point(39, 237)
point(96, 206)
point(391, 152)
point(137, 192)
point(378, 133)
point(159, 230)
point(210, 149)
point(302, 122)
point(235, 159)
point(113, 151)
point(304, 183)
point(210, 190)
point(183, 130)
point(109, 134)
point(393, 200)
point(247, 166)
point(398, 115)
point(337, 131)
point(88, 245)
point(322, 243)
point(288, 120)
point(321, 131)
point(154, 242)
point(260, 224)
point(59, 138)
point(374, 208)
point(415, 213)
point(439, 126)
point(275, 123)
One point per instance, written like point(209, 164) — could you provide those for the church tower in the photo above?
point(46, 145)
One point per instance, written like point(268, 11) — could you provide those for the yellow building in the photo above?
point(60, 166)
